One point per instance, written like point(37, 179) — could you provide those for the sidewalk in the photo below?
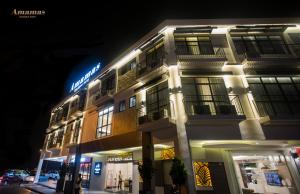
point(40, 189)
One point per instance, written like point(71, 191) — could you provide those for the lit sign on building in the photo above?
point(120, 158)
point(97, 169)
point(84, 79)
point(202, 176)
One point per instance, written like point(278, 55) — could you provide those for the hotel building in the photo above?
point(223, 95)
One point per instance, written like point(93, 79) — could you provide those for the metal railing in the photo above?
point(277, 105)
point(146, 66)
point(214, 52)
point(102, 93)
point(285, 51)
point(144, 116)
point(213, 105)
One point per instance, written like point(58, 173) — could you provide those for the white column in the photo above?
point(176, 96)
point(39, 168)
point(250, 128)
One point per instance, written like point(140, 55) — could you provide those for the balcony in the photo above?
point(147, 70)
point(290, 52)
point(156, 119)
point(55, 146)
point(76, 110)
point(126, 80)
point(101, 96)
point(214, 54)
point(213, 106)
point(278, 106)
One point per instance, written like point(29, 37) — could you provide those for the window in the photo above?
point(107, 84)
point(262, 44)
point(104, 121)
point(122, 106)
point(154, 55)
point(275, 96)
point(132, 101)
point(208, 95)
point(76, 131)
point(200, 45)
point(157, 101)
point(128, 67)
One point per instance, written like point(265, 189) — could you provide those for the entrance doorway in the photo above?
point(119, 176)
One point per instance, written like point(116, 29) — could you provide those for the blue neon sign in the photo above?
point(98, 167)
point(85, 79)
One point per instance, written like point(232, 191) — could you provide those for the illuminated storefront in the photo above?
point(264, 172)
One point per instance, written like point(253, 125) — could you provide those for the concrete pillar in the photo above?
point(176, 96)
point(148, 155)
point(76, 166)
point(250, 128)
point(39, 168)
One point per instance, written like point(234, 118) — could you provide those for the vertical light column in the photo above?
point(39, 168)
point(250, 128)
point(176, 96)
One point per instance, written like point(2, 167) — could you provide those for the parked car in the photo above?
point(52, 174)
point(31, 176)
point(14, 176)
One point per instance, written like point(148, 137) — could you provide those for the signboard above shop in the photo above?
point(120, 158)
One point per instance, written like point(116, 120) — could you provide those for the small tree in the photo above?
point(178, 173)
point(146, 171)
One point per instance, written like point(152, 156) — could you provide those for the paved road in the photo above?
point(14, 190)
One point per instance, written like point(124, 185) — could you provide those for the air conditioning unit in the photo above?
point(226, 109)
point(201, 109)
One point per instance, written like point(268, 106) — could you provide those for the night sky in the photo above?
point(37, 55)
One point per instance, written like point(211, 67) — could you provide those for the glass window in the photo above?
point(104, 121)
point(205, 45)
point(122, 106)
point(275, 96)
point(132, 101)
point(255, 45)
point(157, 99)
point(207, 95)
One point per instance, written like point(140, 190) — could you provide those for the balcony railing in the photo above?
point(277, 105)
point(153, 115)
point(215, 52)
point(102, 93)
point(148, 65)
point(283, 52)
point(213, 105)
point(56, 145)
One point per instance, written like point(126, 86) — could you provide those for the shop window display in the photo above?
point(263, 173)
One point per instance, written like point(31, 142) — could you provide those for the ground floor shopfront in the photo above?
point(232, 167)
point(227, 167)
point(117, 170)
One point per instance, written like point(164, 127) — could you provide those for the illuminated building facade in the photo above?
point(222, 95)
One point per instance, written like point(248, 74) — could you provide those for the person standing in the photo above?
point(78, 184)
point(120, 181)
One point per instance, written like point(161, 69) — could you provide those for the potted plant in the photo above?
point(146, 171)
point(178, 174)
